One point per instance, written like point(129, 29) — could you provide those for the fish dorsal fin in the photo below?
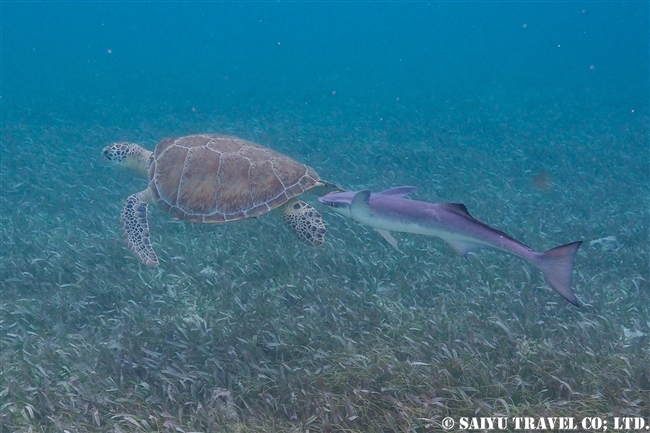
point(360, 204)
point(361, 198)
point(399, 191)
point(457, 208)
point(463, 246)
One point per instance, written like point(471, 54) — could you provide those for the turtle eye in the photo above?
point(114, 154)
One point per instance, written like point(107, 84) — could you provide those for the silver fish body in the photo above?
point(389, 211)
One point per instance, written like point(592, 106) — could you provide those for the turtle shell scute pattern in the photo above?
point(218, 178)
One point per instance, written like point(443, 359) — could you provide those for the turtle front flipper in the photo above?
point(135, 227)
point(305, 222)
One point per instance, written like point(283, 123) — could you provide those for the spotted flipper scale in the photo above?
point(305, 222)
point(135, 228)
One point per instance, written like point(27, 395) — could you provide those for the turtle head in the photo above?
point(128, 155)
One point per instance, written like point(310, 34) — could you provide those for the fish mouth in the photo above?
point(333, 204)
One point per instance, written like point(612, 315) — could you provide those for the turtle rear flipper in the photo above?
point(305, 222)
point(135, 227)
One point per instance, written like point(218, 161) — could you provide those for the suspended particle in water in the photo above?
point(542, 181)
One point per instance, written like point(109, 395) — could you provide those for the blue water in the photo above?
point(73, 58)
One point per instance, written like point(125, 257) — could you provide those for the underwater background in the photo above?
point(534, 115)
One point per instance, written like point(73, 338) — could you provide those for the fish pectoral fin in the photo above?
point(389, 238)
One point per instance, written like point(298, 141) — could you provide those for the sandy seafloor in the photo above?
point(242, 328)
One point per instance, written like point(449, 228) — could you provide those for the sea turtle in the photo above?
point(211, 178)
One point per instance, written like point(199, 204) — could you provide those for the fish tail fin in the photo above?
point(557, 266)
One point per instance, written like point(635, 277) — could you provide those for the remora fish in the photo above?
point(388, 211)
